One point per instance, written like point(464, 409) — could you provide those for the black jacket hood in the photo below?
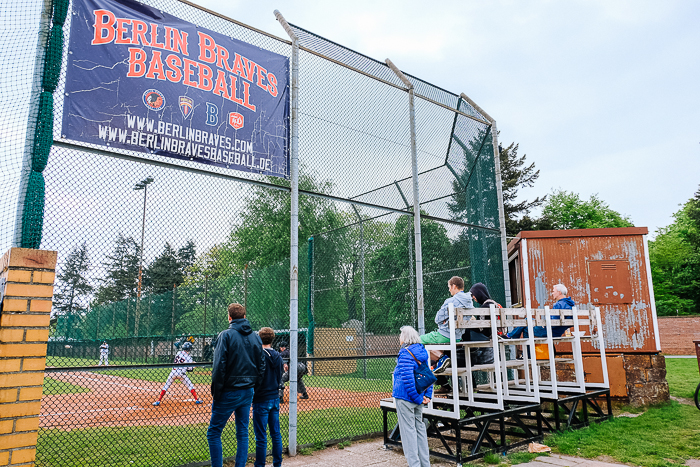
point(241, 325)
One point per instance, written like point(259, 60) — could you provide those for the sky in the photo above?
point(604, 97)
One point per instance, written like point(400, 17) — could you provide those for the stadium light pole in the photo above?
point(142, 185)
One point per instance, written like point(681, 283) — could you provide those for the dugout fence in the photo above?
point(200, 237)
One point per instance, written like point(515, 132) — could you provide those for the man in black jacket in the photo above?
point(238, 365)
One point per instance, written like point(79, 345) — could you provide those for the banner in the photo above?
point(141, 79)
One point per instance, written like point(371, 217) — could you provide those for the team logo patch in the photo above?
point(154, 99)
point(235, 120)
point(186, 106)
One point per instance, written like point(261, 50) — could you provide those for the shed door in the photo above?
point(610, 282)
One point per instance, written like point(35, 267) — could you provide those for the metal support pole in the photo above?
point(499, 190)
point(245, 285)
point(416, 199)
point(311, 329)
point(364, 311)
point(294, 230)
point(172, 321)
point(411, 273)
point(204, 329)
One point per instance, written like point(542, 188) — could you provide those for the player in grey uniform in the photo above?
point(183, 356)
point(104, 354)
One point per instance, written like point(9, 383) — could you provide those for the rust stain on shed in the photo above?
point(599, 267)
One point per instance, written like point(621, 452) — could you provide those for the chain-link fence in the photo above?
point(153, 249)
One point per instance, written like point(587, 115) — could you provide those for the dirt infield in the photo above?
point(114, 401)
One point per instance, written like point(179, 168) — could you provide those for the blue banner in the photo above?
point(143, 80)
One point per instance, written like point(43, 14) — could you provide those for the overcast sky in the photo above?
point(604, 96)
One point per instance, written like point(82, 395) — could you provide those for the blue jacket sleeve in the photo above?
point(406, 366)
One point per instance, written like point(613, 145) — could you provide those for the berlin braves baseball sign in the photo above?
point(141, 79)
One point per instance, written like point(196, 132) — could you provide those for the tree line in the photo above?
point(185, 292)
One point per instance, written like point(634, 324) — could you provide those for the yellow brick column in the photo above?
point(26, 282)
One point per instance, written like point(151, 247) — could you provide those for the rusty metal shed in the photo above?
point(608, 268)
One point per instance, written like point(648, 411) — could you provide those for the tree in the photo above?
point(668, 256)
point(169, 268)
point(122, 267)
point(119, 287)
point(514, 176)
point(675, 262)
point(392, 265)
point(73, 288)
point(566, 210)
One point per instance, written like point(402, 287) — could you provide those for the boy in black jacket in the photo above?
point(266, 403)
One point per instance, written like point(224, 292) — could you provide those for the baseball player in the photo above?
point(104, 354)
point(183, 356)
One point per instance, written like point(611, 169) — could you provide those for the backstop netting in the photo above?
point(152, 249)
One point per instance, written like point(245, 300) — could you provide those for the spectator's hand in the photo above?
point(426, 401)
point(286, 367)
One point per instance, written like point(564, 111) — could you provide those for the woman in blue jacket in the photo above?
point(409, 403)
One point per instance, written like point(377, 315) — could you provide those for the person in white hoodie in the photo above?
point(460, 299)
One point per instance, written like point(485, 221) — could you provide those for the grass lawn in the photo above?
point(378, 375)
point(173, 446)
point(664, 435)
point(52, 386)
point(70, 361)
point(682, 376)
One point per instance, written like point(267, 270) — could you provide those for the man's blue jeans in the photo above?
point(233, 401)
point(267, 413)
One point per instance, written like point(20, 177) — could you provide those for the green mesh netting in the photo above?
point(44, 132)
point(33, 214)
point(60, 9)
point(54, 54)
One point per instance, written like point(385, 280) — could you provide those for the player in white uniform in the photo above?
point(183, 356)
point(104, 354)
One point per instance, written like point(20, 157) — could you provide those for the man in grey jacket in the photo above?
point(442, 336)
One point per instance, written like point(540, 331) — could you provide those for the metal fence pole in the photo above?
point(311, 329)
point(416, 199)
point(172, 322)
point(294, 253)
point(364, 311)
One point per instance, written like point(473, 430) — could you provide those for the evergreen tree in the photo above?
point(121, 280)
point(73, 289)
point(164, 272)
point(514, 176)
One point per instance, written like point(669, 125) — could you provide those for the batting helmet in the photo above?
point(187, 346)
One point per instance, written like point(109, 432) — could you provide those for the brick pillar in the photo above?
point(26, 278)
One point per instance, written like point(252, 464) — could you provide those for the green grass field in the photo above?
point(664, 435)
point(682, 376)
point(52, 386)
point(172, 446)
point(378, 375)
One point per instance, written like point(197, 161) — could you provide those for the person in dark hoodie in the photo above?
point(480, 293)
point(239, 363)
point(266, 403)
point(409, 403)
point(563, 303)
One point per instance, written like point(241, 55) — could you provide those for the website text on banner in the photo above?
point(167, 87)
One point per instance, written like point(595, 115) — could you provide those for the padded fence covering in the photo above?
point(201, 237)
